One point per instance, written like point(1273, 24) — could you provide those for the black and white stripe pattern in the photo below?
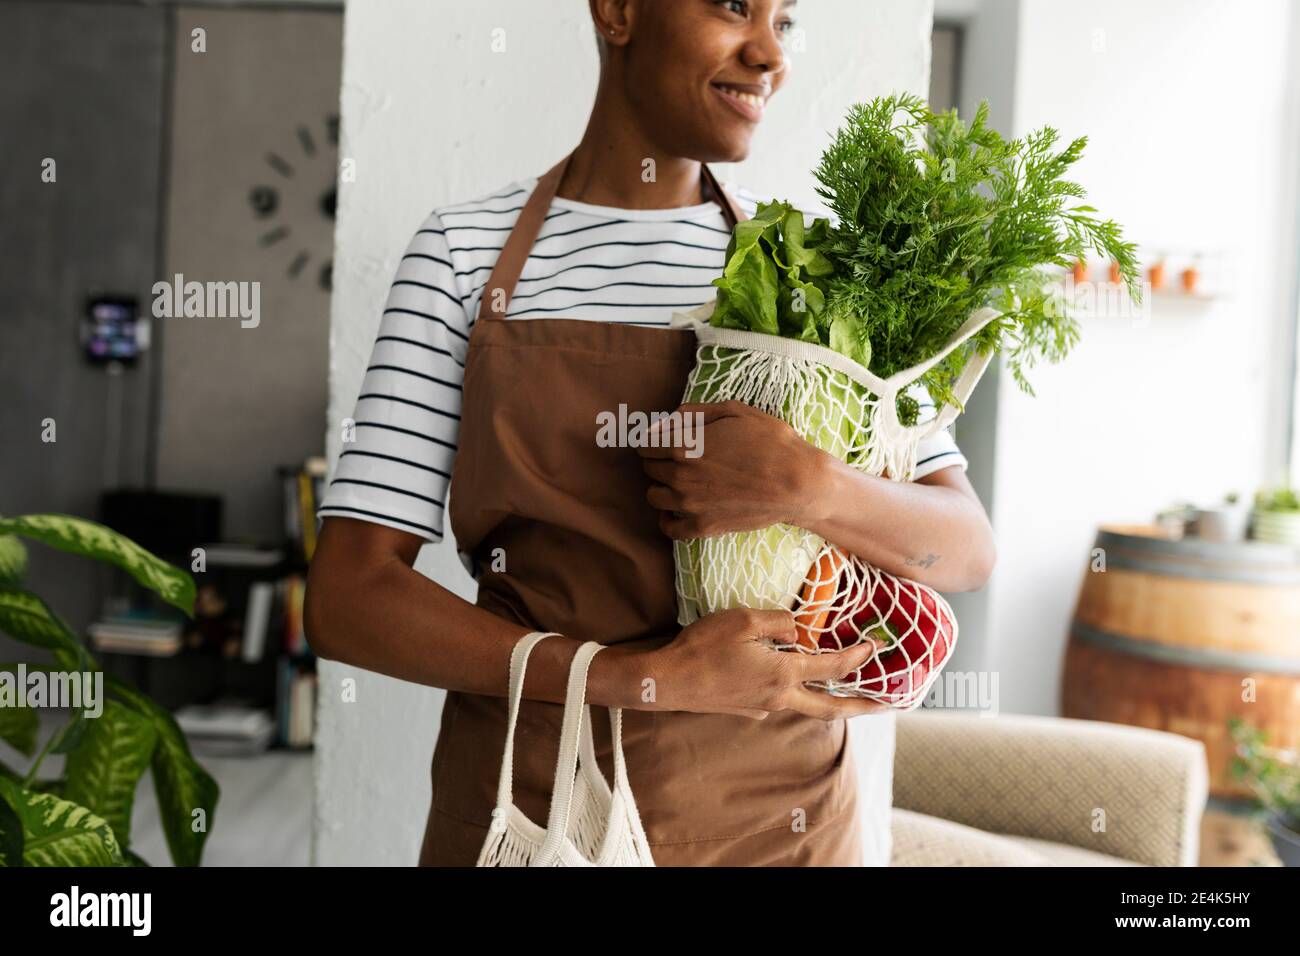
point(631, 266)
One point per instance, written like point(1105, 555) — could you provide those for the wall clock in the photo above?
point(294, 206)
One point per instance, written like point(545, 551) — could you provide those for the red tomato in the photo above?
point(913, 619)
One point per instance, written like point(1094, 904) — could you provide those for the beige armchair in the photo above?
point(1015, 790)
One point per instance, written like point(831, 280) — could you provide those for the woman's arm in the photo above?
point(933, 531)
point(366, 605)
point(753, 470)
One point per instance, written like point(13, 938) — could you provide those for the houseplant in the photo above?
point(83, 816)
point(1274, 777)
point(1276, 516)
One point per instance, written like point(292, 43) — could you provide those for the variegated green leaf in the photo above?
point(180, 784)
point(93, 540)
point(58, 832)
point(52, 785)
point(18, 727)
point(13, 560)
point(75, 658)
point(25, 617)
point(67, 737)
point(105, 767)
point(11, 835)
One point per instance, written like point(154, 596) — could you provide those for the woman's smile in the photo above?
point(747, 99)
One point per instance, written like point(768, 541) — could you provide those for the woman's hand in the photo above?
point(728, 663)
point(752, 471)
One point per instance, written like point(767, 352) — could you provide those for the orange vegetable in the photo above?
point(814, 607)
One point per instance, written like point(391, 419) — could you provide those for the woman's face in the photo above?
point(699, 72)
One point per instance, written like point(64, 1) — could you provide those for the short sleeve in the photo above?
point(396, 460)
point(939, 450)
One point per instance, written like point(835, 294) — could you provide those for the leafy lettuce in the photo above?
point(776, 279)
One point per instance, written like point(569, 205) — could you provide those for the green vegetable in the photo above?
point(774, 282)
point(934, 220)
point(785, 553)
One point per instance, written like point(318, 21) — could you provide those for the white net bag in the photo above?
point(844, 409)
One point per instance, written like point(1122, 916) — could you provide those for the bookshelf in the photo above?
point(239, 676)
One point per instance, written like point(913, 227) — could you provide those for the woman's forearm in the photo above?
point(377, 612)
point(367, 606)
point(934, 535)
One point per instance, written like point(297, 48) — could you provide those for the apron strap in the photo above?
point(514, 254)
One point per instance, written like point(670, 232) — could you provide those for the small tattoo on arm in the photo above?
point(925, 562)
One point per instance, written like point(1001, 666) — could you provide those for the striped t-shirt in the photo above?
point(599, 263)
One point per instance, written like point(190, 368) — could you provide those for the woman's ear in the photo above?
point(612, 20)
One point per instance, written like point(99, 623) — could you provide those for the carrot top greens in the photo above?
point(933, 220)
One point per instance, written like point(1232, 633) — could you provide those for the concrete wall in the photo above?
point(211, 406)
point(236, 402)
point(84, 87)
point(431, 115)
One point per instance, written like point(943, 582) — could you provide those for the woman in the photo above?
point(514, 321)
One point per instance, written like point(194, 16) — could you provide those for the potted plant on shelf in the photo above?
point(1226, 521)
point(82, 817)
point(1276, 516)
point(1273, 775)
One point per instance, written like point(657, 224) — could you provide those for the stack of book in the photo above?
point(226, 729)
point(138, 632)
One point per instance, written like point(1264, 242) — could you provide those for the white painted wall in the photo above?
point(431, 115)
point(1184, 103)
point(987, 72)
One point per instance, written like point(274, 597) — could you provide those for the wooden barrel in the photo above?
point(1183, 635)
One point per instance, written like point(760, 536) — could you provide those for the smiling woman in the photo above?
point(518, 321)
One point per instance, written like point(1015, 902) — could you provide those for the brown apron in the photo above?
point(585, 557)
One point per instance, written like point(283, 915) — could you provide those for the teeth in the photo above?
point(750, 98)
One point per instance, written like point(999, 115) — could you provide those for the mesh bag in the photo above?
point(837, 599)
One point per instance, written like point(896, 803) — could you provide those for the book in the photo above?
point(304, 487)
point(257, 619)
point(295, 634)
point(296, 703)
point(137, 632)
point(229, 729)
point(223, 719)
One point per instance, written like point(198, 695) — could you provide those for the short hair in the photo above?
point(601, 47)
